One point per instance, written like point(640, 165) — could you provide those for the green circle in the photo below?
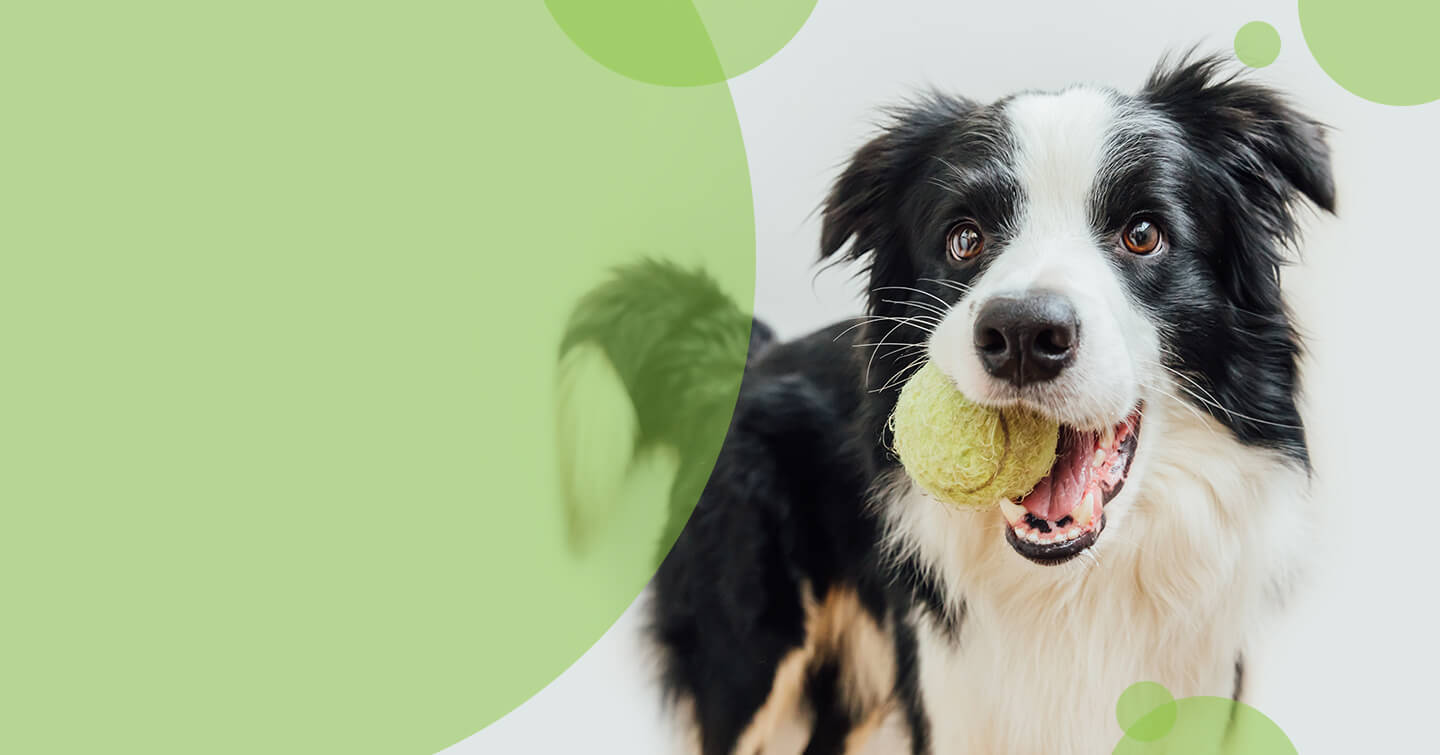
point(1382, 50)
point(678, 42)
point(1257, 44)
point(1146, 711)
point(1197, 724)
point(280, 436)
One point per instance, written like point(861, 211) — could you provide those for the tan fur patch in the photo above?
point(783, 702)
point(837, 629)
point(847, 633)
point(861, 735)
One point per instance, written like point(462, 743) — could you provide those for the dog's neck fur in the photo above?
point(1174, 591)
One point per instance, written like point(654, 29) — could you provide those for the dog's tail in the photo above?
point(651, 360)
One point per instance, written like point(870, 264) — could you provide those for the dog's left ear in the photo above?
point(1258, 156)
point(863, 216)
point(1267, 150)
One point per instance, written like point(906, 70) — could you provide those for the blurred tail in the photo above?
point(651, 359)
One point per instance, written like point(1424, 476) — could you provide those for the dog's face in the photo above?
point(1085, 254)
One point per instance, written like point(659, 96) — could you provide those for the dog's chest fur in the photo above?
point(1047, 681)
point(1033, 659)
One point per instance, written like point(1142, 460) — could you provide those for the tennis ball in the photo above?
point(964, 453)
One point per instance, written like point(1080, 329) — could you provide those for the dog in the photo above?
point(1109, 260)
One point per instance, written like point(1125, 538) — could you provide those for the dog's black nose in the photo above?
point(1027, 339)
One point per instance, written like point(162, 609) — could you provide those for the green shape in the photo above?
point(1156, 724)
point(1146, 711)
point(677, 42)
point(1257, 44)
point(283, 288)
point(1382, 50)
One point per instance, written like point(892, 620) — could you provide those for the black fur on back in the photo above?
point(785, 512)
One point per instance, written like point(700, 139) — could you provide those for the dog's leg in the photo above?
point(868, 730)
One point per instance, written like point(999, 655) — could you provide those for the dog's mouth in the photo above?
point(1065, 513)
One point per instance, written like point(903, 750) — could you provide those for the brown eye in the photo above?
point(965, 241)
point(1142, 236)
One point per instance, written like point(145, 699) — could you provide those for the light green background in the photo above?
point(1382, 50)
point(1257, 44)
point(1157, 724)
point(680, 42)
point(280, 296)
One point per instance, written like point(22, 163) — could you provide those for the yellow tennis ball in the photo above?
point(964, 453)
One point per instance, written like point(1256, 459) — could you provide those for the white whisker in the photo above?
point(1214, 403)
point(870, 319)
point(942, 302)
point(918, 305)
point(902, 373)
point(961, 287)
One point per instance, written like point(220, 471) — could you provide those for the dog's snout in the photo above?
point(1027, 339)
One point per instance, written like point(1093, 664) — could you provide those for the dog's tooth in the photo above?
point(1085, 512)
point(1012, 511)
point(1033, 537)
point(1100, 456)
point(1073, 533)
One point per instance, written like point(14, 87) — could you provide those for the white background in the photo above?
point(1351, 668)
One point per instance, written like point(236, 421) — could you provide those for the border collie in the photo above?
point(1110, 260)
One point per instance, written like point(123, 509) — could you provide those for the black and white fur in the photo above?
point(818, 601)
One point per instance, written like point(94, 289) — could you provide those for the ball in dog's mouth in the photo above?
point(1065, 513)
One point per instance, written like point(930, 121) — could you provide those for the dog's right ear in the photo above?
point(864, 212)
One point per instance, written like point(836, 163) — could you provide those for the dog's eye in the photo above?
point(1142, 236)
point(965, 240)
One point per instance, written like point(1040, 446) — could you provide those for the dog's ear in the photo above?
point(864, 213)
point(1258, 156)
point(1267, 149)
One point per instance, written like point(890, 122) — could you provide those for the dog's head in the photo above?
point(1088, 254)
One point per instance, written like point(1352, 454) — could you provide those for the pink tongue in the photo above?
point(1057, 494)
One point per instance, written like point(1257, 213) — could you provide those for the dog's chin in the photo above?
point(1065, 513)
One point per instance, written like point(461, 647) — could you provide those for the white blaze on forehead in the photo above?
point(1062, 148)
point(1060, 144)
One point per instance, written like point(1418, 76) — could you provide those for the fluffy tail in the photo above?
point(651, 361)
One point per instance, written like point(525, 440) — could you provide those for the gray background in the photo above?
point(1350, 668)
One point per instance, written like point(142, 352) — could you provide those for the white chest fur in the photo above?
point(1203, 540)
point(1051, 687)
